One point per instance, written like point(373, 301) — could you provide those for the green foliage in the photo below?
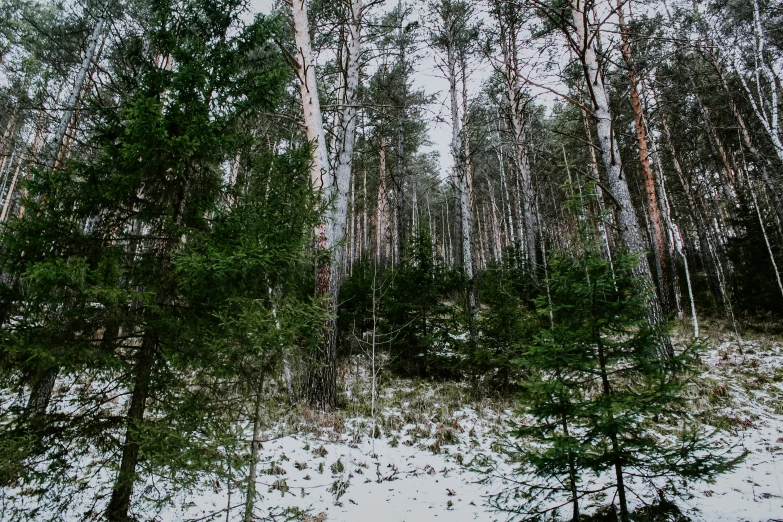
point(754, 285)
point(136, 271)
point(416, 318)
point(505, 325)
point(599, 402)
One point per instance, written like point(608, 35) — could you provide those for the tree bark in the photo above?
point(58, 145)
point(401, 228)
point(119, 504)
point(766, 110)
point(461, 182)
point(333, 185)
point(647, 172)
point(382, 239)
point(627, 222)
point(250, 493)
point(528, 225)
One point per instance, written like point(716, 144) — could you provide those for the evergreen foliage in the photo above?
point(416, 316)
point(134, 273)
point(600, 411)
point(506, 323)
point(160, 274)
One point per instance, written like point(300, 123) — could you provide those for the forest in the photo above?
point(391, 260)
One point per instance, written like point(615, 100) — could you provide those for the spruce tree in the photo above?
point(415, 318)
point(141, 284)
point(599, 405)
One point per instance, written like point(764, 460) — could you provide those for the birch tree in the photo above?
point(330, 177)
point(761, 74)
point(451, 33)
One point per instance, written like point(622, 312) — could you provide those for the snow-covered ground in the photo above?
point(318, 468)
point(744, 380)
point(420, 470)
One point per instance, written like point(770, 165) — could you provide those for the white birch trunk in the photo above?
point(78, 86)
point(333, 184)
point(627, 222)
point(461, 181)
point(765, 99)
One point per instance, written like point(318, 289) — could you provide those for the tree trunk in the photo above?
point(766, 110)
point(771, 183)
point(647, 172)
point(332, 184)
point(461, 183)
point(6, 212)
point(57, 150)
point(618, 465)
point(117, 510)
point(401, 228)
point(250, 493)
point(382, 239)
point(627, 222)
point(528, 225)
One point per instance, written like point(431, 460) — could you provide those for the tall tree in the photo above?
point(452, 32)
point(330, 174)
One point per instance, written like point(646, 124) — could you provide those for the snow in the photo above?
point(753, 492)
point(398, 477)
point(741, 379)
point(419, 468)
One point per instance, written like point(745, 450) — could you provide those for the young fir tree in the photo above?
point(601, 411)
point(141, 288)
point(415, 319)
point(507, 322)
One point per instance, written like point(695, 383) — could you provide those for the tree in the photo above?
point(583, 38)
point(601, 401)
point(452, 33)
point(330, 175)
point(130, 274)
point(414, 317)
point(509, 25)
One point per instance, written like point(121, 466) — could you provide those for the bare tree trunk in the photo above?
point(528, 225)
point(364, 246)
point(119, 504)
point(7, 144)
point(447, 224)
point(495, 224)
point(766, 110)
point(602, 215)
point(383, 239)
point(57, 149)
point(630, 231)
point(461, 182)
point(401, 229)
point(10, 193)
point(466, 135)
point(255, 446)
point(644, 154)
point(505, 197)
point(771, 183)
point(333, 184)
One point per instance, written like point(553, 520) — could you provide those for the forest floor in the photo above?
point(432, 438)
